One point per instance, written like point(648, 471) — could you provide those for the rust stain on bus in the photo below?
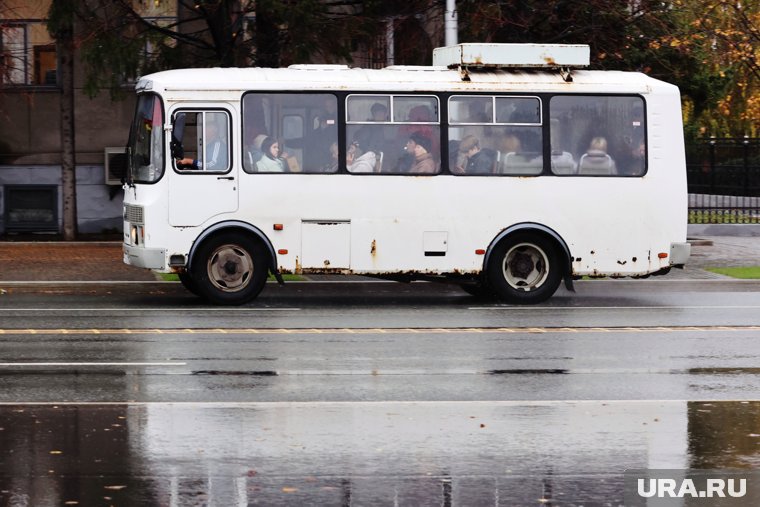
point(373, 248)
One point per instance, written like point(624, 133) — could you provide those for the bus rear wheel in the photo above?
point(479, 290)
point(524, 268)
point(230, 269)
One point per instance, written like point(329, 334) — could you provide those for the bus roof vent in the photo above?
point(474, 56)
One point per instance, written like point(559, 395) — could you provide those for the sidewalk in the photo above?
point(66, 261)
point(102, 261)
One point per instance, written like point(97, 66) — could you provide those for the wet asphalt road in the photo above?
point(371, 393)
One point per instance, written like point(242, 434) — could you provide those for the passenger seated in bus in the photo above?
point(270, 162)
point(420, 115)
point(376, 137)
point(420, 146)
point(457, 159)
point(596, 161)
point(253, 153)
point(638, 160)
point(358, 161)
point(477, 160)
point(317, 143)
point(514, 159)
point(215, 151)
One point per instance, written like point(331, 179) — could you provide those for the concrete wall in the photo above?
point(30, 149)
point(31, 125)
point(99, 207)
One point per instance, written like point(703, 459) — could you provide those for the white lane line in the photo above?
point(218, 309)
point(87, 364)
point(380, 403)
point(664, 307)
point(142, 310)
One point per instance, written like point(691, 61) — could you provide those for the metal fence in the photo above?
point(724, 181)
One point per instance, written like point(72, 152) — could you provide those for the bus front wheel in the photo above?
point(524, 268)
point(230, 269)
point(187, 282)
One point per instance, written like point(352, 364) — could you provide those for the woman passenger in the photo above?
point(271, 161)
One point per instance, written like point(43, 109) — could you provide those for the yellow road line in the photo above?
point(485, 330)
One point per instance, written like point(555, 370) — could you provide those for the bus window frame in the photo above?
point(493, 97)
point(547, 141)
point(195, 109)
point(391, 96)
point(542, 124)
point(339, 112)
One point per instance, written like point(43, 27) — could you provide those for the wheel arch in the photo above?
point(246, 228)
point(544, 231)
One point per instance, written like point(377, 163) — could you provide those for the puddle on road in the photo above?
point(361, 454)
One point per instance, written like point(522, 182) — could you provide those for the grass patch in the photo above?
point(744, 273)
point(722, 217)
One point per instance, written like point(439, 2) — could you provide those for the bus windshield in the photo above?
point(146, 153)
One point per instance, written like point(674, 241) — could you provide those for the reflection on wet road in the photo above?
point(390, 453)
point(428, 398)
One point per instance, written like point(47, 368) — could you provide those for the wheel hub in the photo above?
point(230, 268)
point(521, 266)
point(526, 267)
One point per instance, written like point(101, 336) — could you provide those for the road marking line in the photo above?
point(165, 363)
point(348, 404)
point(142, 310)
point(573, 308)
point(395, 331)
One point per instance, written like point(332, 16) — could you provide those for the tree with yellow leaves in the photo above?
point(724, 37)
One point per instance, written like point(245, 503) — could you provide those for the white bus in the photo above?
point(503, 169)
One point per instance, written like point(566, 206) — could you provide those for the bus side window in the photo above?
point(302, 125)
point(393, 134)
point(605, 136)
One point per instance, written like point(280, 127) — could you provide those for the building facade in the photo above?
point(30, 107)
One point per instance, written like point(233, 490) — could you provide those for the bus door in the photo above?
point(204, 182)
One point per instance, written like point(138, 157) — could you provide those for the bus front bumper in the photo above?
point(140, 257)
point(679, 253)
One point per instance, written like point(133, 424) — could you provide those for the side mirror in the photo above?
point(178, 131)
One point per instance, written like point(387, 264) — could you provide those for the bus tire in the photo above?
point(524, 268)
point(187, 282)
point(230, 269)
point(479, 290)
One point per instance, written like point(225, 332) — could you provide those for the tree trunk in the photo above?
point(65, 42)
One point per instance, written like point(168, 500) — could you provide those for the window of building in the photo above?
point(28, 54)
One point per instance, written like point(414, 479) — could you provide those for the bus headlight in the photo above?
point(134, 235)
